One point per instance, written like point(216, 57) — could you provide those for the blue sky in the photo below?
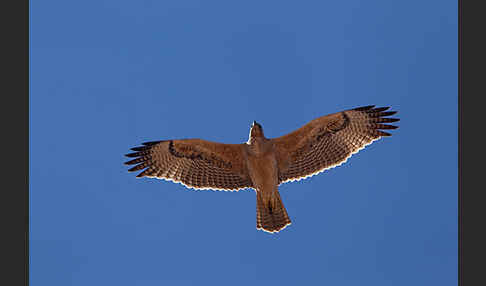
point(108, 75)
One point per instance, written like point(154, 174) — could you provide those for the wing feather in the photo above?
point(328, 141)
point(195, 163)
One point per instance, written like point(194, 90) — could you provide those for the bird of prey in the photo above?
point(262, 163)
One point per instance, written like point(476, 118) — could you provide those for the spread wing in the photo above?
point(195, 163)
point(329, 141)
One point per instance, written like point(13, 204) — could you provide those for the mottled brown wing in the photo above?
point(195, 163)
point(329, 141)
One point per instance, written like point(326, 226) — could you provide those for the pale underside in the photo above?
point(337, 164)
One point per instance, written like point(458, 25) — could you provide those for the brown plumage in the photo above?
point(262, 164)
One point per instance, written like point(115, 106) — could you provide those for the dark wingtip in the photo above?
point(136, 161)
point(142, 156)
point(363, 108)
point(383, 133)
point(151, 143)
point(136, 154)
point(141, 148)
point(137, 167)
point(380, 109)
point(387, 113)
point(386, 120)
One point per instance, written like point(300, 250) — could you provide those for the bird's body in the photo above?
point(263, 170)
point(262, 163)
point(262, 166)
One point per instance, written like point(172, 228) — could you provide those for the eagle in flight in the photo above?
point(261, 163)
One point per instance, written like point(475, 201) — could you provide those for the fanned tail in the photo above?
point(271, 215)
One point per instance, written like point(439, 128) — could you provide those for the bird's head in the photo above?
point(256, 130)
